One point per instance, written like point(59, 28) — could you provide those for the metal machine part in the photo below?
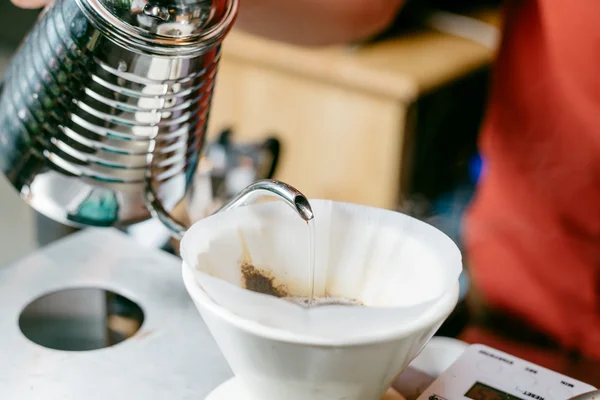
point(233, 166)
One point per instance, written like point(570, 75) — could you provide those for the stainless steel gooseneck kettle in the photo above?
point(104, 108)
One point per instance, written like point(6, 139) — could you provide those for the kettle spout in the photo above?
point(272, 188)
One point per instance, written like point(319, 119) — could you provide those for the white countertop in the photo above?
point(172, 356)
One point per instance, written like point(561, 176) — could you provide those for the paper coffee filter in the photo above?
point(395, 265)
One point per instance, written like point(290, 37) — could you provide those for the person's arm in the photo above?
point(306, 22)
point(317, 22)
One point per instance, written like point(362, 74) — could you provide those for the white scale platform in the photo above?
point(172, 356)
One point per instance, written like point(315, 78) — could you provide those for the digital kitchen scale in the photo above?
point(483, 373)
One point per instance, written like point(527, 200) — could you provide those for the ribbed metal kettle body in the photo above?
point(92, 121)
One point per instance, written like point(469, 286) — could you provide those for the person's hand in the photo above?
point(30, 3)
point(317, 22)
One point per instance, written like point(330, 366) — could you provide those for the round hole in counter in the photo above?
point(80, 319)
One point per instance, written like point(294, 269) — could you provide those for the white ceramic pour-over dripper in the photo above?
point(273, 364)
point(404, 271)
point(393, 263)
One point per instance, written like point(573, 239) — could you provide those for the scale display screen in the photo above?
point(479, 391)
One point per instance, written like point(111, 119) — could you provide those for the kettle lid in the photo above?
point(165, 23)
point(168, 18)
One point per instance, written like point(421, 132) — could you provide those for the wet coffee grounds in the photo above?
point(261, 281)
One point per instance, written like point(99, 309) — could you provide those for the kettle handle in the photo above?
point(262, 188)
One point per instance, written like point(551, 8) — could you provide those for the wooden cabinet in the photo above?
point(342, 114)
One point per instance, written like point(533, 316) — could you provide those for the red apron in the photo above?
point(533, 230)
